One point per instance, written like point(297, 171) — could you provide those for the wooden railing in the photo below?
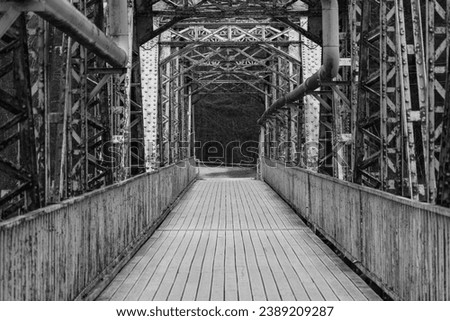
point(401, 245)
point(66, 251)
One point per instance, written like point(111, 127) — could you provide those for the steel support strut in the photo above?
point(64, 16)
point(330, 66)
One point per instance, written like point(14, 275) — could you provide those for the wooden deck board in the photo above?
point(175, 281)
point(194, 274)
point(218, 275)
point(204, 288)
point(235, 239)
point(280, 278)
point(160, 269)
point(133, 265)
point(242, 272)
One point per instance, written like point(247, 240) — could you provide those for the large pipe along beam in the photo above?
point(64, 16)
point(330, 67)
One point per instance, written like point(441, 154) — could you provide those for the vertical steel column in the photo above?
point(85, 162)
point(355, 37)
point(311, 60)
point(341, 106)
point(267, 125)
point(19, 183)
point(164, 104)
point(121, 22)
point(184, 112)
point(76, 110)
point(437, 41)
point(391, 141)
point(149, 53)
point(175, 110)
point(422, 101)
point(274, 127)
point(367, 124)
point(38, 60)
point(284, 117)
point(406, 104)
point(294, 51)
point(191, 126)
point(443, 196)
point(137, 147)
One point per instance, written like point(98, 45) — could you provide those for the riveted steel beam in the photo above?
point(64, 16)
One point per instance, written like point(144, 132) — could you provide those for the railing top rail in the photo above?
point(403, 200)
point(78, 199)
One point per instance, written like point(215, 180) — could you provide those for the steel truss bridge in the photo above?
point(97, 143)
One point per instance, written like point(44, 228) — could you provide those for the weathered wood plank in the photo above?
point(349, 280)
point(259, 292)
point(269, 281)
point(184, 269)
point(242, 270)
point(130, 273)
point(284, 284)
point(398, 243)
point(238, 241)
point(324, 270)
point(173, 281)
point(143, 272)
point(195, 271)
point(295, 283)
point(307, 281)
point(218, 275)
point(231, 286)
point(209, 211)
point(204, 287)
point(311, 266)
point(62, 252)
point(161, 269)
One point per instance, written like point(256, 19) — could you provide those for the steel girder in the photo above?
point(383, 143)
point(65, 17)
point(311, 59)
point(440, 35)
point(20, 186)
point(85, 115)
point(150, 54)
point(176, 11)
point(246, 56)
point(88, 160)
point(399, 123)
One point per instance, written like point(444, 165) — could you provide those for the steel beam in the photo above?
point(64, 16)
point(330, 65)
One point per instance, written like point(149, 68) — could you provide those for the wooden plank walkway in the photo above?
point(235, 239)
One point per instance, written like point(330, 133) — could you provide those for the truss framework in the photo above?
point(174, 12)
point(18, 140)
point(74, 141)
point(401, 108)
point(83, 125)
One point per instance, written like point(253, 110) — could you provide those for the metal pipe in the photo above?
point(64, 16)
point(330, 67)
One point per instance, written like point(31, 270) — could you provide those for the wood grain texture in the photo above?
point(402, 245)
point(61, 252)
point(235, 239)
